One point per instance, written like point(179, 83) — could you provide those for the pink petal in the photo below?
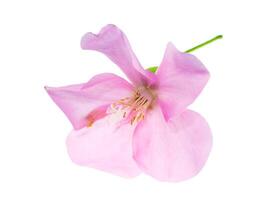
point(175, 150)
point(104, 146)
point(112, 42)
point(77, 101)
point(181, 77)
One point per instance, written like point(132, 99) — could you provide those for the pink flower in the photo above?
point(125, 128)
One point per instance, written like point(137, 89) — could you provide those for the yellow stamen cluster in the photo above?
point(133, 108)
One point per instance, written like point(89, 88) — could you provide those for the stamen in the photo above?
point(133, 109)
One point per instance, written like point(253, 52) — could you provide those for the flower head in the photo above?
point(125, 128)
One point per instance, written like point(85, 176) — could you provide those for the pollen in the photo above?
point(133, 108)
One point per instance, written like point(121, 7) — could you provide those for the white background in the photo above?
point(39, 45)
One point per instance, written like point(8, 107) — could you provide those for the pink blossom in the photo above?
point(143, 126)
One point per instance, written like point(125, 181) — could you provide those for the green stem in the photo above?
point(154, 68)
point(204, 43)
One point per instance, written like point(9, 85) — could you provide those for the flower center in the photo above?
point(133, 108)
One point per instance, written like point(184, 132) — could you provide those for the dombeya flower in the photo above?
point(139, 126)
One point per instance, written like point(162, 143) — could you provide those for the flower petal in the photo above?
point(112, 42)
point(175, 150)
point(77, 101)
point(104, 146)
point(181, 77)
